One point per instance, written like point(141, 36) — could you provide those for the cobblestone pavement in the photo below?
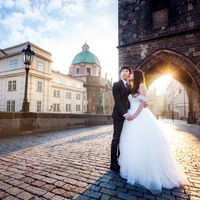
point(74, 164)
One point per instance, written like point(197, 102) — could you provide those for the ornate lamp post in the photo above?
point(27, 55)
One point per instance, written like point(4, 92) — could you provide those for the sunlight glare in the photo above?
point(160, 84)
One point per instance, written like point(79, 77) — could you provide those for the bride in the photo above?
point(145, 157)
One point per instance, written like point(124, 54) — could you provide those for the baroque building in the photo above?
point(161, 37)
point(86, 67)
point(176, 101)
point(156, 103)
point(48, 90)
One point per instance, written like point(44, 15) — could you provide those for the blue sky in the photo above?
point(62, 27)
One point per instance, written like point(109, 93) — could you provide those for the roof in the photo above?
point(85, 57)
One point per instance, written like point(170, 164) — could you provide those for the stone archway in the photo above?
point(165, 61)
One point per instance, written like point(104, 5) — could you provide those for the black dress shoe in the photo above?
point(115, 167)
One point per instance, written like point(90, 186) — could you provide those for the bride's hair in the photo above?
point(138, 78)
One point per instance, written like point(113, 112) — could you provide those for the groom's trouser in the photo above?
point(118, 124)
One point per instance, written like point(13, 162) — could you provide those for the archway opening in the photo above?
point(167, 98)
point(182, 69)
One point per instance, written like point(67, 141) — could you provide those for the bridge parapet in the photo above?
point(16, 123)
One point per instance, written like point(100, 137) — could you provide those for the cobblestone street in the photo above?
point(74, 164)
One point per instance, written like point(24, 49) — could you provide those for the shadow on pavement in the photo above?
point(15, 143)
point(112, 186)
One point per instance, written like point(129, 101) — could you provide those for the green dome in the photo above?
point(85, 57)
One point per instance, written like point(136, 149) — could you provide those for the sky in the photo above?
point(62, 27)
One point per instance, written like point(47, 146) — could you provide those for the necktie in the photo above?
point(126, 85)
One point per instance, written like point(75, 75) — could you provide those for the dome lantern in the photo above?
point(85, 47)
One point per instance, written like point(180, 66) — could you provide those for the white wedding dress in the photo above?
point(145, 157)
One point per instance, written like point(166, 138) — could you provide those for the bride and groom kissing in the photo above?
point(140, 151)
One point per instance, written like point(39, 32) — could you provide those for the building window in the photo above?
point(39, 86)
point(12, 85)
point(159, 10)
point(56, 107)
point(56, 93)
point(68, 95)
point(77, 71)
point(68, 107)
point(78, 108)
point(40, 66)
point(160, 18)
point(78, 96)
point(13, 64)
point(39, 106)
point(10, 106)
point(88, 71)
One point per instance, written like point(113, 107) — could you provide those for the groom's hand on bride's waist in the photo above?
point(129, 117)
point(125, 115)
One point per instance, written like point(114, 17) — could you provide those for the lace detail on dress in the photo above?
point(140, 97)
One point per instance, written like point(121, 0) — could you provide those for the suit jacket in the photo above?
point(120, 94)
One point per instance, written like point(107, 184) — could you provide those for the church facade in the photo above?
point(86, 67)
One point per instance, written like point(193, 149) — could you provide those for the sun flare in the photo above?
point(160, 84)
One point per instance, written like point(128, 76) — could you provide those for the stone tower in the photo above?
point(163, 36)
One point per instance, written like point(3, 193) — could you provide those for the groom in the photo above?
point(120, 91)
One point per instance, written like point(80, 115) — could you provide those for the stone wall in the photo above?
point(161, 37)
point(28, 123)
point(186, 44)
point(136, 19)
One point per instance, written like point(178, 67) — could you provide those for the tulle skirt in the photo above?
point(145, 156)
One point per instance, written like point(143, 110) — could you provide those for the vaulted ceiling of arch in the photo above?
point(164, 62)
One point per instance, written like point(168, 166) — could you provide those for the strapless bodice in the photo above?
point(135, 101)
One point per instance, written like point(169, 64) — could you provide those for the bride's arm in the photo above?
point(138, 111)
point(142, 91)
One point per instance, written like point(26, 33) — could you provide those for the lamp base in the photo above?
point(25, 107)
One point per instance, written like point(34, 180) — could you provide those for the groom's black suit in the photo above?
point(120, 94)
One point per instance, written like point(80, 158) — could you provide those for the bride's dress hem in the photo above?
point(153, 191)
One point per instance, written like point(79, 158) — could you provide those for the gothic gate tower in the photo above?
point(160, 37)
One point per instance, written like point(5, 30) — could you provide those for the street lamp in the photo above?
point(27, 55)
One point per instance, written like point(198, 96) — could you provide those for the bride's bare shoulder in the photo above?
point(142, 89)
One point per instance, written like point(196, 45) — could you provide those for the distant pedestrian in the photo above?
point(172, 116)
